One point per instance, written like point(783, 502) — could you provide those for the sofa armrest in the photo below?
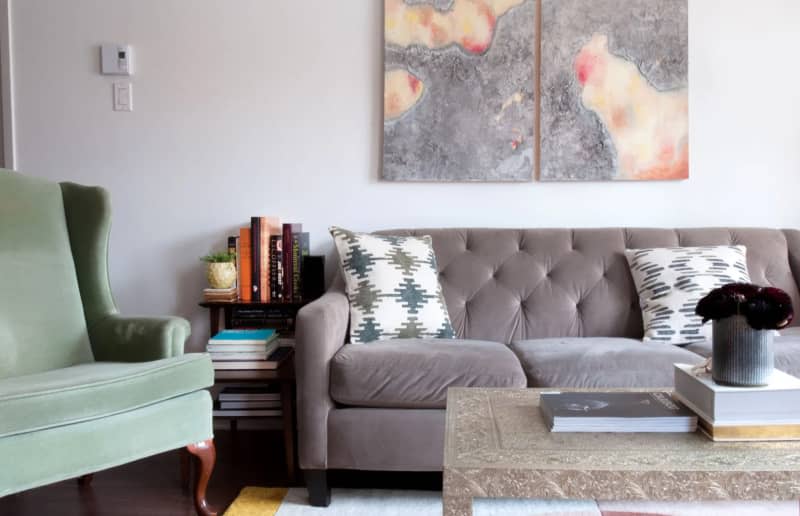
point(320, 331)
point(138, 339)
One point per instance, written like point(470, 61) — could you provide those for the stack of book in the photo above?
point(269, 260)
point(262, 400)
point(220, 294)
point(247, 350)
point(615, 412)
point(770, 413)
point(241, 349)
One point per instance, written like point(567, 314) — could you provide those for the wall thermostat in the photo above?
point(116, 59)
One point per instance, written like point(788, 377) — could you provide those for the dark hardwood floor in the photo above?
point(152, 486)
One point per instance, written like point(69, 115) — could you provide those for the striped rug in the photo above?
point(263, 501)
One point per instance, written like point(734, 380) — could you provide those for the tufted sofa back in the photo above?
point(508, 284)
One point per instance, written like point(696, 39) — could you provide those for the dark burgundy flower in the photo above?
point(771, 308)
point(764, 307)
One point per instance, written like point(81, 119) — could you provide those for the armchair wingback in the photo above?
point(82, 388)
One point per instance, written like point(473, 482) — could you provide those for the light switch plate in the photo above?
point(123, 96)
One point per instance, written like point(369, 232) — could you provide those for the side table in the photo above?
point(280, 316)
point(284, 376)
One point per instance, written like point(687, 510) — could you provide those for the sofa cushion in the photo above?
point(393, 287)
point(672, 280)
point(94, 390)
point(416, 373)
point(599, 362)
point(787, 351)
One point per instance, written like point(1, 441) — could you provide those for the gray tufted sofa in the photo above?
point(532, 307)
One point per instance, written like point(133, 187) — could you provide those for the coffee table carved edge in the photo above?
point(496, 446)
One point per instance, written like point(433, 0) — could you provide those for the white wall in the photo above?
point(274, 107)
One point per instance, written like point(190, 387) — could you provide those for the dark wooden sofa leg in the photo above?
point(206, 455)
point(85, 480)
point(319, 493)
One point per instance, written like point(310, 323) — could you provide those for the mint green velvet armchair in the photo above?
point(83, 389)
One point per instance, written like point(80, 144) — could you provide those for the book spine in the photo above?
point(263, 242)
point(300, 248)
point(287, 262)
point(288, 231)
point(238, 263)
point(245, 265)
point(255, 235)
point(276, 267)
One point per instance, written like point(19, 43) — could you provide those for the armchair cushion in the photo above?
point(94, 390)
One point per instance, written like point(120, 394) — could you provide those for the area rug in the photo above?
point(262, 501)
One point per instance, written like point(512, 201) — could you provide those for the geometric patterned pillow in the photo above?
point(393, 286)
point(670, 281)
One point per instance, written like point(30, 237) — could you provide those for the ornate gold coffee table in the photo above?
point(497, 446)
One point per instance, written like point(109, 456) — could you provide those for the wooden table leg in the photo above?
point(213, 314)
point(287, 410)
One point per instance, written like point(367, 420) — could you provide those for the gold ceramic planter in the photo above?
point(221, 275)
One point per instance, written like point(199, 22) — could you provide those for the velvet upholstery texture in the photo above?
point(37, 458)
point(42, 323)
point(596, 362)
point(97, 389)
point(571, 287)
point(517, 284)
point(81, 387)
point(416, 373)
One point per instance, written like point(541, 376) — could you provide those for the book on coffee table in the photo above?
point(615, 412)
point(768, 413)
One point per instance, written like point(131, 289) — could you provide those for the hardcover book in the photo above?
point(276, 267)
point(615, 412)
point(244, 337)
point(255, 235)
point(289, 229)
point(244, 257)
point(267, 392)
point(300, 248)
point(779, 401)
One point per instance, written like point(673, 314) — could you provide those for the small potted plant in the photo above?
point(220, 269)
point(745, 319)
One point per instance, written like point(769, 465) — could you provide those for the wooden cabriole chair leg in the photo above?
point(206, 455)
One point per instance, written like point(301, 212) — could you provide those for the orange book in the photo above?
point(245, 265)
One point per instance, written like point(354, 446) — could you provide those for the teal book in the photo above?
point(244, 337)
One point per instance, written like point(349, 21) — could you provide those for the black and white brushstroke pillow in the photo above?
point(393, 286)
point(671, 280)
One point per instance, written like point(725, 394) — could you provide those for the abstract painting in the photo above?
point(614, 90)
point(459, 90)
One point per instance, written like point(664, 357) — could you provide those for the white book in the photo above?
point(242, 348)
point(778, 402)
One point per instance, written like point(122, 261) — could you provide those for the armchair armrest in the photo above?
point(138, 339)
point(320, 331)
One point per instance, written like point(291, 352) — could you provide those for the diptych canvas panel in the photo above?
point(461, 85)
point(459, 90)
point(614, 90)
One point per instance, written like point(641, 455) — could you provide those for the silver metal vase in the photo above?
point(742, 356)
